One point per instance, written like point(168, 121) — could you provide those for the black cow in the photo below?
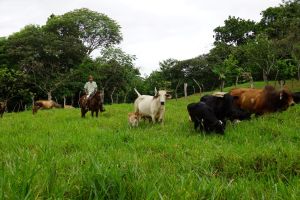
point(224, 108)
point(296, 97)
point(203, 117)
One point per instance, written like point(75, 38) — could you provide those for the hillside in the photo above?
point(56, 154)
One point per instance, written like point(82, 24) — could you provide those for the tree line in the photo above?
point(53, 61)
point(243, 50)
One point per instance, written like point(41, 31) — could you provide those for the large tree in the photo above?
point(236, 31)
point(47, 57)
point(262, 56)
point(95, 30)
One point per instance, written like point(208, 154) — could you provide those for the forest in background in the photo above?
point(53, 61)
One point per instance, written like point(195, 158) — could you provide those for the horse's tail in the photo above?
point(137, 92)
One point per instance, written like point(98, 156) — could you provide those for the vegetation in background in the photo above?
point(53, 60)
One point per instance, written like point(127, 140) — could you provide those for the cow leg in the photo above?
point(201, 127)
point(258, 114)
point(196, 124)
point(153, 119)
point(92, 112)
point(102, 108)
point(97, 113)
point(35, 109)
point(160, 118)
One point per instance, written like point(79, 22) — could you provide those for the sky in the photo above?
point(153, 30)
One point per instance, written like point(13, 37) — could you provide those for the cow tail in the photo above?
point(137, 92)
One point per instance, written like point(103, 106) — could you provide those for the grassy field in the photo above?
point(57, 155)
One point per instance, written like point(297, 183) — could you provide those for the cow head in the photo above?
point(285, 99)
point(286, 95)
point(219, 127)
point(162, 95)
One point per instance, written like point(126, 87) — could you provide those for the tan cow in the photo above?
point(44, 104)
point(2, 107)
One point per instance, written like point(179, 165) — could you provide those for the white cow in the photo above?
point(153, 106)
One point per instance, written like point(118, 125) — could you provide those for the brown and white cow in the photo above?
point(44, 104)
point(261, 101)
point(153, 106)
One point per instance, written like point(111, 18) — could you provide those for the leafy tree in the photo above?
point(223, 70)
point(198, 71)
point(3, 52)
point(115, 72)
point(156, 79)
point(296, 57)
point(95, 30)
point(13, 88)
point(172, 71)
point(286, 69)
point(46, 57)
point(262, 55)
point(12, 83)
point(236, 31)
point(276, 22)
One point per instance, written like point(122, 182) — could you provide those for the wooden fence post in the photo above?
point(185, 90)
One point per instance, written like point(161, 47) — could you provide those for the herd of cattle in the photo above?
point(212, 111)
point(209, 114)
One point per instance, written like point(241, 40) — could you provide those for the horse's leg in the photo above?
point(92, 112)
point(97, 112)
point(102, 108)
point(83, 111)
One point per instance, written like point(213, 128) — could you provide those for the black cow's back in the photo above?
point(224, 108)
point(220, 105)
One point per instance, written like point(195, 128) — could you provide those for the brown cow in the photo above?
point(44, 104)
point(2, 108)
point(261, 101)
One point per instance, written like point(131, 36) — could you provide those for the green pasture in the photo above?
point(56, 154)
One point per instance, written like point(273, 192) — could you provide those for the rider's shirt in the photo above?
point(90, 87)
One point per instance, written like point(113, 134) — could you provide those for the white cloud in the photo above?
point(153, 30)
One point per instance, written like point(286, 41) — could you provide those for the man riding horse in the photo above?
point(90, 87)
point(93, 100)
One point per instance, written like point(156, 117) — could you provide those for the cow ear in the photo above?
point(169, 96)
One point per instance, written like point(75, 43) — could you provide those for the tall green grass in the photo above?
point(58, 155)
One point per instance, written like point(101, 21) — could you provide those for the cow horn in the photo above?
point(155, 91)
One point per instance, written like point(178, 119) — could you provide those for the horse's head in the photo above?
point(96, 95)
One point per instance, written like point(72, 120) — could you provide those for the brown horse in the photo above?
point(94, 103)
point(44, 104)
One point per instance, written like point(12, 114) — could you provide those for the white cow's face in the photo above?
point(162, 95)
